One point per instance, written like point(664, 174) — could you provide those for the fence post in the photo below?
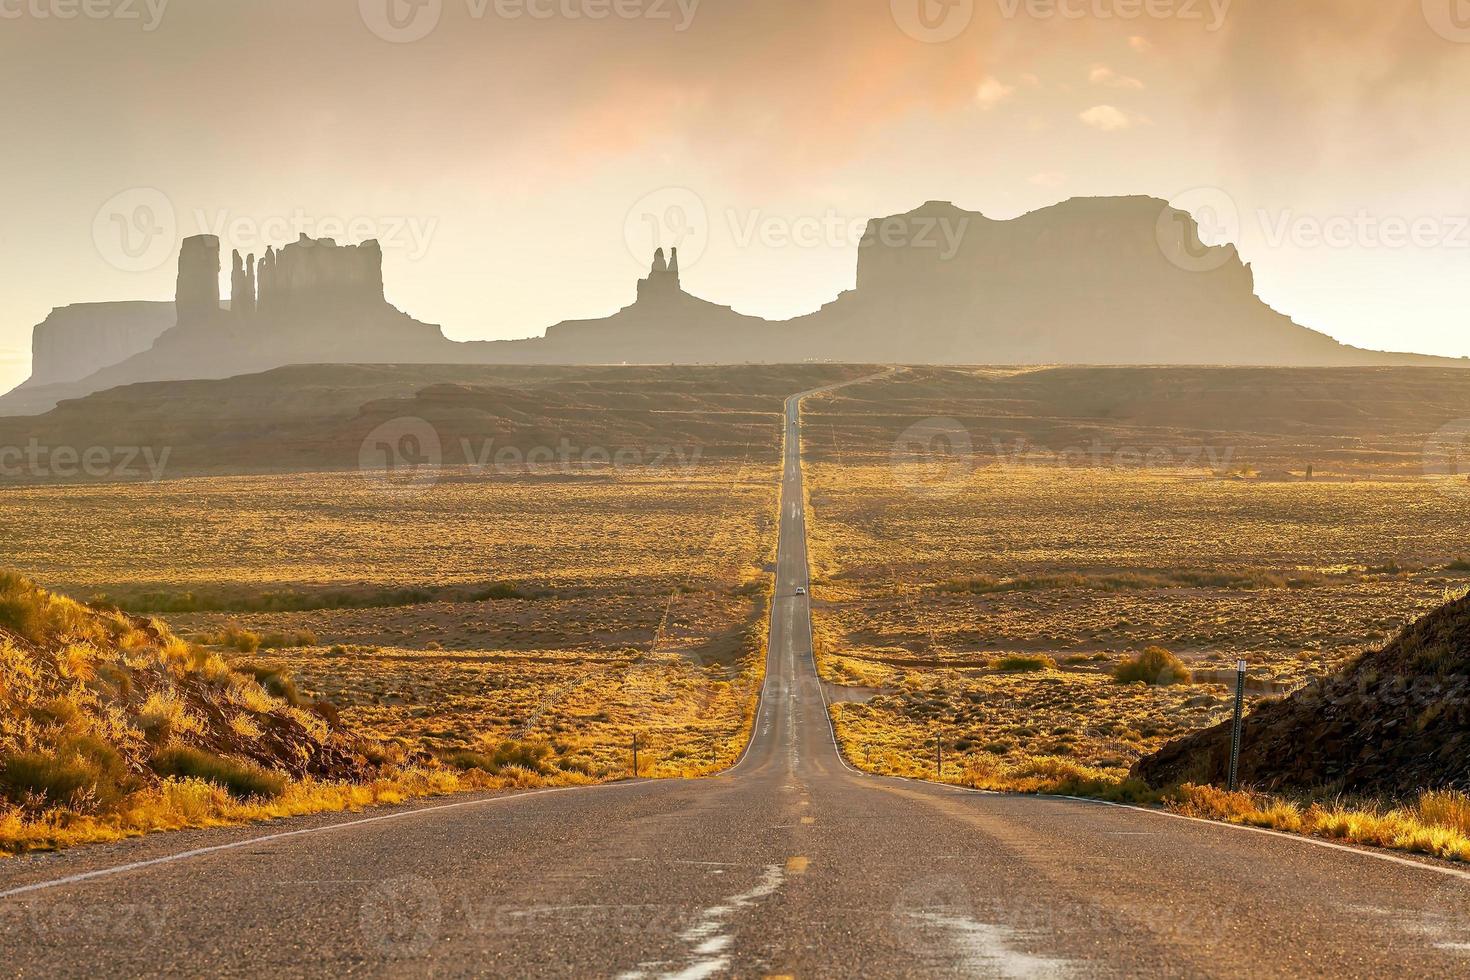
point(635, 755)
point(1235, 732)
point(938, 755)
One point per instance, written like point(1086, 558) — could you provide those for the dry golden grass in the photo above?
point(996, 615)
point(914, 596)
point(638, 605)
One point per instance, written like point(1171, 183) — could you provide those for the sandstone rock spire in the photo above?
point(197, 293)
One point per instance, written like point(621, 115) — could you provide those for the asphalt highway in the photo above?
point(791, 864)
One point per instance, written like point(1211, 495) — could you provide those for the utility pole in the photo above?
point(1235, 732)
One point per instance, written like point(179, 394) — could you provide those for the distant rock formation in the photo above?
point(197, 293)
point(242, 285)
point(663, 278)
point(1088, 281)
point(322, 275)
point(311, 302)
point(1119, 280)
point(315, 275)
point(76, 340)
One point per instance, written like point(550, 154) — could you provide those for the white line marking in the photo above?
point(251, 842)
point(1303, 838)
point(990, 950)
point(710, 934)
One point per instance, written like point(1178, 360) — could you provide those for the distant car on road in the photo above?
point(800, 590)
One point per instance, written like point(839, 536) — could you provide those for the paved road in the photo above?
point(791, 864)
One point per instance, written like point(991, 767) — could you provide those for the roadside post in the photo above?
point(938, 754)
point(1235, 731)
point(635, 755)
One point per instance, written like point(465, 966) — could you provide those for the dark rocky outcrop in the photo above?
point(1394, 723)
point(197, 293)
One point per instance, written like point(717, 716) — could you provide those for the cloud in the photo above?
point(1106, 77)
point(992, 92)
point(1140, 44)
point(1111, 119)
point(1049, 178)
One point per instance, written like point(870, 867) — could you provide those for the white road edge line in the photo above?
point(249, 842)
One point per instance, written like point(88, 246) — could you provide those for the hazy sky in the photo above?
point(510, 154)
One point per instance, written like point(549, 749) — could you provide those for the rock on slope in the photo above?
point(1393, 723)
point(95, 705)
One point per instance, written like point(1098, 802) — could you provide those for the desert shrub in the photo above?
point(498, 590)
point(84, 774)
point(1153, 666)
point(1021, 663)
point(232, 637)
point(238, 777)
point(1449, 809)
point(276, 680)
point(37, 616)
point(288, 641)
point(531, 756)
point(163, 715)
point(59, 712)
point(293, 601)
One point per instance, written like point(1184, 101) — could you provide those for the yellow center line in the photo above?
point(797, 866)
